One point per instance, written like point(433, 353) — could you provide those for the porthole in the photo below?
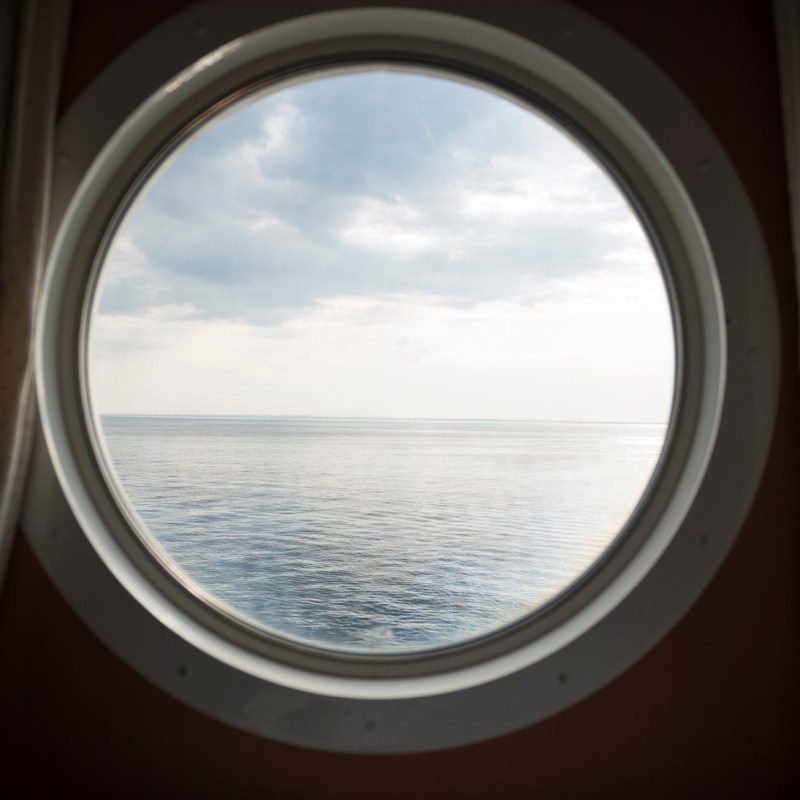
point(372, 667)
point(439, 339)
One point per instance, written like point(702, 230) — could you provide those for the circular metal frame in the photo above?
point(717, 273)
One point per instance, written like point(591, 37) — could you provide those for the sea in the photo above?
point(380, 535)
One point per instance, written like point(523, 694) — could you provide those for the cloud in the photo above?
point(366, 184)
point(382, 244)
point(589, 351)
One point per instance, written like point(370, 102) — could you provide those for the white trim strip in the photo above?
point(41, 40)
point(787, 35)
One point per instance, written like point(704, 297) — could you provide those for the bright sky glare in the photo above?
point(385, 244)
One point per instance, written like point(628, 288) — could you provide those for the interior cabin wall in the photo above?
point(712, 710)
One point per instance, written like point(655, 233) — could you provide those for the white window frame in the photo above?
point(717, 271)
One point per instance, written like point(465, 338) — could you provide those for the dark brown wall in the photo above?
point(711, 711)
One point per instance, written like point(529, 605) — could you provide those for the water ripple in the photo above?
point(381, 535)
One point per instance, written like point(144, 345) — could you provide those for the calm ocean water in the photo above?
point(381, 535)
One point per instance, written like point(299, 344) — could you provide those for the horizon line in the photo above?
point(379, 418)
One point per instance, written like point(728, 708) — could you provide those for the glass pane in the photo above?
point(381, 360)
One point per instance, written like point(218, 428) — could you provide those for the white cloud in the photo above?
point(588, 353)
point(464, 259)
point(389, 227)
point(277, 130)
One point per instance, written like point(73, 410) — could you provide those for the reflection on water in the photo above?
point(381, 535)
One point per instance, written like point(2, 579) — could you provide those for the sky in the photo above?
point(383, 244)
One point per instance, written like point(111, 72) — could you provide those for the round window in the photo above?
point(381, 360)
point(396, 390)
